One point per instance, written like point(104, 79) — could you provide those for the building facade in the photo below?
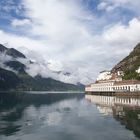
point(113, 84)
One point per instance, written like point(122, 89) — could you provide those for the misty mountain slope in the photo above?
point(11, 52)
point(16, 65)
point(8, 80)
point(3, 48)
point(14, 53)
point(130, 64)
point(40, 83)
point(20, 79)
point(48, 82)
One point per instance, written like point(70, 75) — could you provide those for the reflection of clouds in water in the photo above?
point(68, 103)
point(69, 119)
point(33, 119)
point(44, 115)
point(79, 107)
point(31, 112)
point(85, 109)
point(66, 106)
point(54, 118)
point(54, 115)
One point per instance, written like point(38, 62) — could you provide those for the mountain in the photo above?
point(3, 48)
point(16, 65)
point(14, 53)
point(13, 75)
point(11, 52)
point(130, 64)
point(8, 79)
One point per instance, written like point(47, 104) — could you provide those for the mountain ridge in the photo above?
point(11, 52)
point(21, 80)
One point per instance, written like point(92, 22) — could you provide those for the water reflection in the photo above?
point(21, 111)
point(66, 117)
point(126, 110)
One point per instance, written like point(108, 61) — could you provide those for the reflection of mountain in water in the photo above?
point(13, 106)
point(130, 117)
point(125, 110)
point(13, 99)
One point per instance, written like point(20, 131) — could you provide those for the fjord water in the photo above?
point(68, 116)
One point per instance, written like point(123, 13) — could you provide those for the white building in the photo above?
point(114, 86)
point(127, 85)
point(104, 75)
point(112, 82)
point(100, 87)
point(138, 70)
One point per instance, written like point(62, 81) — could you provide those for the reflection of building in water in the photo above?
point(113, 100)
point(125, 110)
point(112, 82)
point(105, 103)
point(105, 110)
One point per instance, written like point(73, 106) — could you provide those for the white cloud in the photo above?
point(102, 6)
point(23, 22)
point(62, 36)
point(123, 34)
point(3, 59)
point(17, 41)
point(110, 5)
point(55, 65)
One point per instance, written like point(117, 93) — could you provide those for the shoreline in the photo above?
point(42, 92)
point(118, 94)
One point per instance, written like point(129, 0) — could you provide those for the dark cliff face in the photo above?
point(11, 52)
point(131, 62)
point(16, 65)
point(14, 53)
point(3, 48)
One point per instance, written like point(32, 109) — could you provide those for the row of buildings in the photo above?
point(112, 82)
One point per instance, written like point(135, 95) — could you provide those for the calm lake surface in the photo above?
point(68, 116)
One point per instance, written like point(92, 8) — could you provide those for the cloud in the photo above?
point(123, 34)
point(65, 36)
point(58, 22)
point(3, 59)
point(102, 6)
point(68, 72)
point(17, 41)
point(10, 8)
point(110, 5)
point(106, 6)
point(23, 22)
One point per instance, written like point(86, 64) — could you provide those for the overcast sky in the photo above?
point(86, 36)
